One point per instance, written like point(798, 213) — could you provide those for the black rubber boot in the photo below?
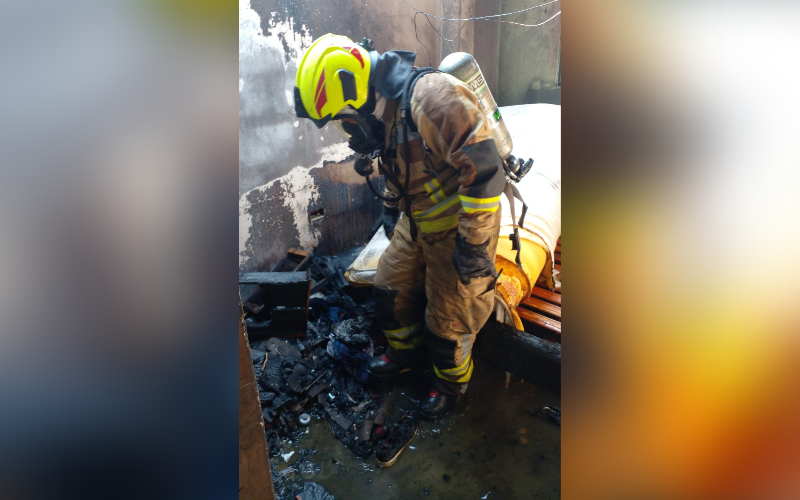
point(383, 369)
point(437, 405)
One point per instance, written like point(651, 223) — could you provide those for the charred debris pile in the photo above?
point(322, 375)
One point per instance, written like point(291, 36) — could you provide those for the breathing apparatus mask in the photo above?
point(364, 133)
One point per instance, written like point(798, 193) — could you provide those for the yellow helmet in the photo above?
point(334, 72)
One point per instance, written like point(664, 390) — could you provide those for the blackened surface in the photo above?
point(350, 207)
point(522, 354)
point(386, 22)
point(272, 231)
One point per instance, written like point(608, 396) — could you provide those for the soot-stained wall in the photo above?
point(529, 56)
point(289, 169)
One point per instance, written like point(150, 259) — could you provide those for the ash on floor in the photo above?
point(491, 445)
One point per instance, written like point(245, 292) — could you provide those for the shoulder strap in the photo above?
point(512, 192)
point(408, 91)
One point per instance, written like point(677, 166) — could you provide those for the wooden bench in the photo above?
point(541, 312)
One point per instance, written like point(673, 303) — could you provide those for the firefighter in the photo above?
point(435, 282)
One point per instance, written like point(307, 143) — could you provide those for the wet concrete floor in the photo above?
point(491, 447)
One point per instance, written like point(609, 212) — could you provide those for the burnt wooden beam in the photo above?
point(527, 356)
point(294, 260)
point(255, 477)
point(283, 322)
point(279, 279)
point(279, 306)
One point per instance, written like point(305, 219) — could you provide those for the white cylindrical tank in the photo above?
point(464, 67)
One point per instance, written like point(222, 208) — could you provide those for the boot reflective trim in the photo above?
point(405, 332)
point(471, 205)
point(463, 379)
point(406, 344)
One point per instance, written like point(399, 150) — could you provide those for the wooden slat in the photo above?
point(546, 295)
point(543, 307)
point(558, 247)
point(558, 258)
point(539, 320)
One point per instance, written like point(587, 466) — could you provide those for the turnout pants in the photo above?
point(421, 301)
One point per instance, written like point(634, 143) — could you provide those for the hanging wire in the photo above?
point(523, 24)
point(480, 18)
point(485, 17)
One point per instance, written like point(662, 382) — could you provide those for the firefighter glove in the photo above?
point(472, 261)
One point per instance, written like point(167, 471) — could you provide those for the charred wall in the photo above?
point(288, 169)
point(529, 57)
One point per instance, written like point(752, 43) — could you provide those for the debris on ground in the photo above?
point(338, 463)
point(551, 412)
point(314, 491)
point(394, 438)
point(323, 377)
point(306, 466)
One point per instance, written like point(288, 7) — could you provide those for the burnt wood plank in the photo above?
point(304, 257)
point(272, 278)
point(527, 356)
point(284, 322)
point(255, 479)
point(277, 289)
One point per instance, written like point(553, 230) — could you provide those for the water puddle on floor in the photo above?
point(492, 447)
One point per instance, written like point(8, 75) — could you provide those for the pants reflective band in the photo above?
point(435, 210)
point(406, 344)
point(430, 221)
point(471, 205)
point(406, 338)
point(401, 333)
point(461, 377)
point(437, 226)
